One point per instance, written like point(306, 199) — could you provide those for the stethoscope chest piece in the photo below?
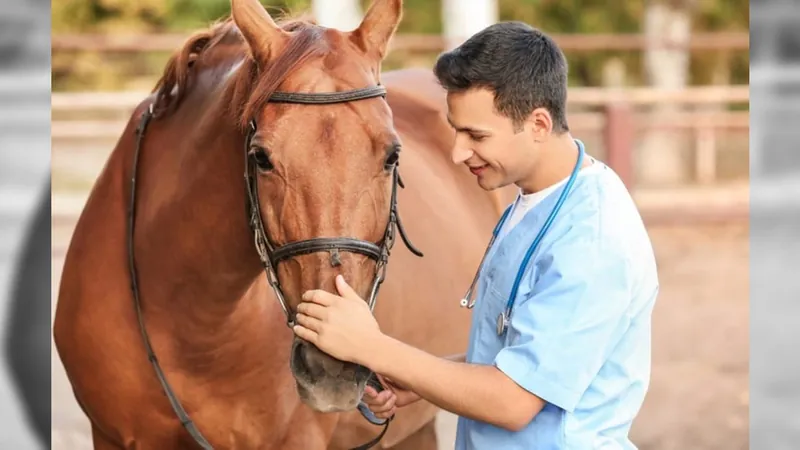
point(502, 323)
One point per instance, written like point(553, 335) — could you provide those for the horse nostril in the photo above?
point(310, 359)
point(306, 355)
point(299, 360)
point(332, 367)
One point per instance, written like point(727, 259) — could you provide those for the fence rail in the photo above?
point(412, 42)
point(680, 206)
point(582, 121)
point(616, 114)
point(578, 96)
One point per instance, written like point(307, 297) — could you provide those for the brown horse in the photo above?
point(325, 171)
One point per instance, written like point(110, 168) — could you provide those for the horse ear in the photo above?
point(262, 34)
point(378, 27)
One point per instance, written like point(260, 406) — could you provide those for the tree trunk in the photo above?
point(662, 158)
point(463, 19)
point(344, 15)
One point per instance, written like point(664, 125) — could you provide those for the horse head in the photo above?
point(321, 170)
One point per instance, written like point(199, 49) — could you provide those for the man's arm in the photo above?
point(564, 327)
point(478, 392)
point(344, 327)
point(576, 311)
point(459, 358)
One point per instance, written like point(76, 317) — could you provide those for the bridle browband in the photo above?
point(270, 255)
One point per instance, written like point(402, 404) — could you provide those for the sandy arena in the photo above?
point(698, 397)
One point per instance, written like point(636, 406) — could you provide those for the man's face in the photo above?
point(486, 141)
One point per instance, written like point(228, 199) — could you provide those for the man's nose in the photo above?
point(460, 153)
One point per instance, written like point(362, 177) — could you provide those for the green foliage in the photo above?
point(148, 15)
point(582, 16)
point(193, 14)
point(109, 15)
point(575, 16)
point(420, 16)
point(721, 15)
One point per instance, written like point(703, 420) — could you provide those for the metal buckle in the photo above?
point(260, 247)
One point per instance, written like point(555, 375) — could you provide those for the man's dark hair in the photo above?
point(522, 66)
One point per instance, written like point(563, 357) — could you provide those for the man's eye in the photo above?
point(477, 138)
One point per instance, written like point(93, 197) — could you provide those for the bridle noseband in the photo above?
point(270, 255)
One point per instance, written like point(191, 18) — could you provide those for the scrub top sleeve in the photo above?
point(562, 331)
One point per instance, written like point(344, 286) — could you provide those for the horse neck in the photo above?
point(194, 248)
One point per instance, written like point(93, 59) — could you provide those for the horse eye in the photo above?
point(392, 160)
point(261, 158)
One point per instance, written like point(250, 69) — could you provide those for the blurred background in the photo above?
point(774, 221)
point(24, 223)
point(660, 90)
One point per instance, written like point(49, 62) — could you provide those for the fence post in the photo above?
point(706, 154)
point(619, 136)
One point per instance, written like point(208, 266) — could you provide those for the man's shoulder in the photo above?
point(604, 202)
point(603, 186)
point(599, 201)
point(600, 221)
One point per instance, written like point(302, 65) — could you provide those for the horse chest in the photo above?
point(225, 426)
point(237, 414)
point(265, 425)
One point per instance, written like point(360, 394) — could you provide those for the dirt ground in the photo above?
point(698, 398)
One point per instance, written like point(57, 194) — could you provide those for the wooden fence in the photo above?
point(616, 115)
point(85, 126)
point(411, 42)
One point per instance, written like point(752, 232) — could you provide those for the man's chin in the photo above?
point(488, 185)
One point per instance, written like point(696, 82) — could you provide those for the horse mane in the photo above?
point(252, 86)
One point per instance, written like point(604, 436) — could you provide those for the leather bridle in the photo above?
point(270, 255)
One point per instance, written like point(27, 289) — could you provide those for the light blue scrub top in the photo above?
point(580, 330)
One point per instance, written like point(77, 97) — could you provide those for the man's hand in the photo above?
point(341, 326)
point(384, 404)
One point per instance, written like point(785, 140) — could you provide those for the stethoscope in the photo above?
point(504, 317)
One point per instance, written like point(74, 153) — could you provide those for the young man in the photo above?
point(570, 367)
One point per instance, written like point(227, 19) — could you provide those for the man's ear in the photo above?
point(540, 124)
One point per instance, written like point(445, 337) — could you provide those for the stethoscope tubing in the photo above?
point(506, 315)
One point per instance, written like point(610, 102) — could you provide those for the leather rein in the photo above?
point(271, 255)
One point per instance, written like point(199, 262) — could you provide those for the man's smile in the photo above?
point(477, 170)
